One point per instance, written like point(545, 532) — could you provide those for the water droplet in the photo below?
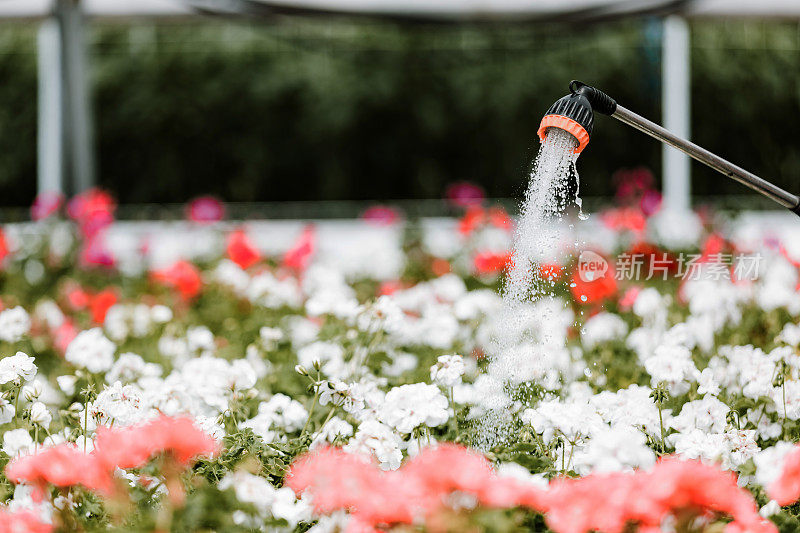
point(583, 297)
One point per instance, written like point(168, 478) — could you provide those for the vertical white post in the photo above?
point(50, 128)
point(676, 86)
point(76, 79)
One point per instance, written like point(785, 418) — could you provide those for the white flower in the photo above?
point(448, 370)
point(250, 489)
point(329, 355)
point(384, 314)
point(770, 509)
point(67, 384)
point(285, 505)
point(706, 384)
point(130, 367)
point(673, 365)
point(200, 341)
point(17, 441)
point(17, 368)
point(119, 404)
point(790, 334)
point(14, 324)
point(333, 429)
point(7, 411)
point(340, 394)
point(91, 350)
point(379, 441)
point(572, 420)
point(160, 314)
point(602, 327)
point(707, 415)
point(281, 412)
point(40, 415)
point(410, 406)
point(613, 450)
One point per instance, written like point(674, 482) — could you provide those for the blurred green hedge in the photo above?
point(322, 110)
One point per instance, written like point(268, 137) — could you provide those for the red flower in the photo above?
point(625, 218)
point(551, 271)
point(205, 210)
point(713, 247)
point(472, 219)
point(299, 256)
point(465, 194)
point(595, 291)
point(491, 262)
point(63, 465)
point(22, 522)
point(786, 489)
point(241, 250)
point(389, 287)
point(381, 215)
point(45, 204)
point(4, 251)
point(182, 276)
point(134, 446)
point(498, 217)
point(100, 303)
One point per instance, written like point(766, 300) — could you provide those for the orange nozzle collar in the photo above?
point(567, 124)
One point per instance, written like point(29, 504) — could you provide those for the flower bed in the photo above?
point(251, 389)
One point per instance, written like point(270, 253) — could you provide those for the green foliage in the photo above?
point(323, 109)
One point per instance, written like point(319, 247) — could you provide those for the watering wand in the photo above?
point(574, 113)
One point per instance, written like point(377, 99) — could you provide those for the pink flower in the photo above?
point(381, 215)
point(64, 334)
point(182, 276)
point(241, 250)
point(205, 210)
point(134, 446)
point(629, 298)
point(465, 194)
point(299, 256)
point(786, 489)
point(63, 465)
point(45, 204)
point(650, 202)
point(93, 210)
point(94, 252)
point(338, 480)
point(610, 502)
point(22, 522)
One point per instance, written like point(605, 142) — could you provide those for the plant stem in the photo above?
point(16, 402)
point(311, 409)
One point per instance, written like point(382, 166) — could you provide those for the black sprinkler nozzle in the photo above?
point(574, 112)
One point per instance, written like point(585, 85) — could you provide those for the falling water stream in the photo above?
point(526, 313)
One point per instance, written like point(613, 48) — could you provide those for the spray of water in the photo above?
point(528, 310)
